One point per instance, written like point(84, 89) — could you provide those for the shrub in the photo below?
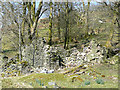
point(87, 82)
point(38, 81)
point(24, 63)
point(99, 81)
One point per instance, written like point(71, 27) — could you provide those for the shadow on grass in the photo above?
point(5, 51)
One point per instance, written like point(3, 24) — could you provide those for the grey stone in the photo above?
point(44, 71)
point(51, 83)
point(50, 71)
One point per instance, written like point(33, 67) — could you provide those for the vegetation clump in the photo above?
point(87, 82)
point(99, 81)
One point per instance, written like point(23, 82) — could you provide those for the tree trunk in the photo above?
point(33, 10)
point(69, 38)
point(88, 18)
point(0, 39)
point(50, 25)
point(66, 42)
point(33, 53)
point(59, 22)
point(20, 51)
point(23, 23)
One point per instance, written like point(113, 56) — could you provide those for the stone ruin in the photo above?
point(93, 53)
point(43, 55)
point(51, 57)
point(48, 58)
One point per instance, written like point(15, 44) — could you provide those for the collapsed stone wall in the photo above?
point(93, 53)
point(49, 57)
point(43, 55)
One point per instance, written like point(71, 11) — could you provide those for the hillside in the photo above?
point(75, 46)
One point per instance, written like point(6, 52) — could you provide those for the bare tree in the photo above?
point(33, 17)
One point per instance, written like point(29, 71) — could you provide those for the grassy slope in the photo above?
point(65, 81)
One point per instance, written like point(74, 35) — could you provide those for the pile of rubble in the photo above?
point(93, 53)
point(16, 69)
